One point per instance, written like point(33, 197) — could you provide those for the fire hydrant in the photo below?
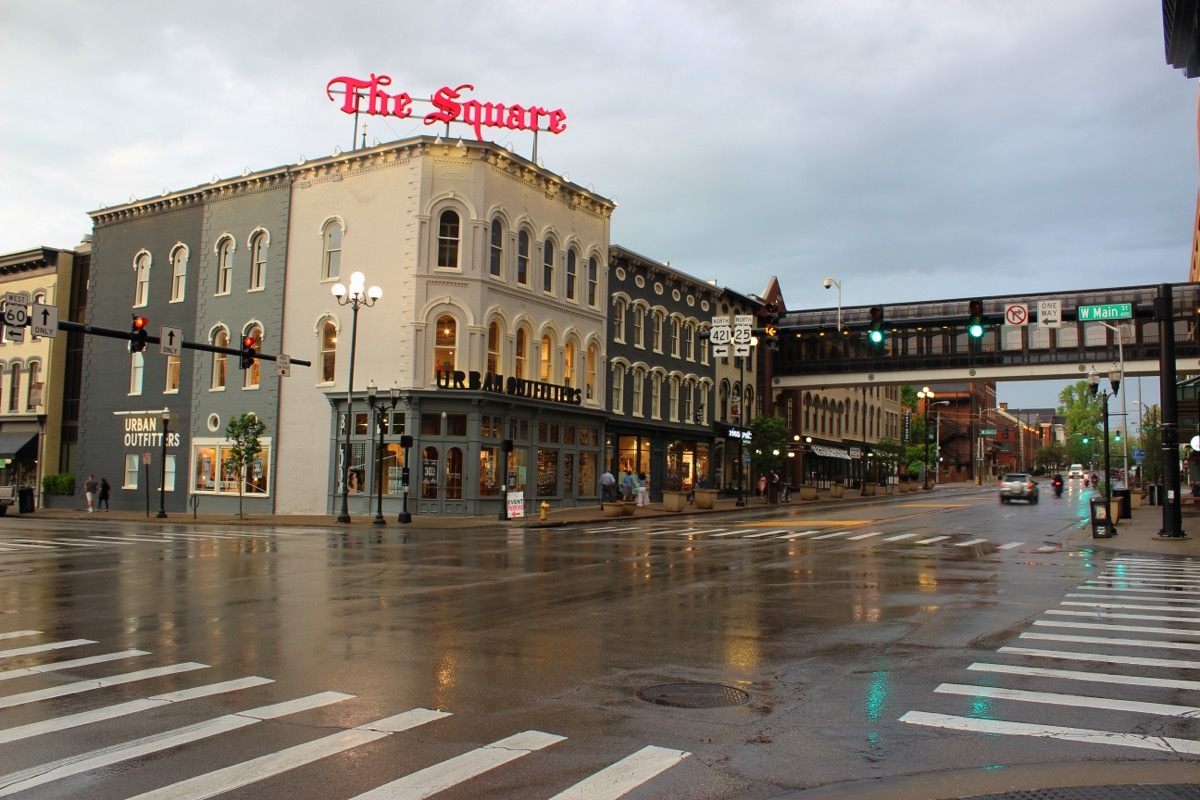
point(544, 508)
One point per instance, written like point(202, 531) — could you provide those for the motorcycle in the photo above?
point(1058, 487)
point(1086, 481)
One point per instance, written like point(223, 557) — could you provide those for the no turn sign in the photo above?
point(1016, 314)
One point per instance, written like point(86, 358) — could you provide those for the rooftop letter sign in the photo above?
point(448, 106)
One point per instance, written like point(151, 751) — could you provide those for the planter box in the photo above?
point(627, 508)
point(706, 498)
point(808, 492)
point(614, 509)
point(869, 489)
point(674, 501)
point(1135, 499)
point(837, 490)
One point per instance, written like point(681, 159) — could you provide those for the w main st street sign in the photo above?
point(1108, 311)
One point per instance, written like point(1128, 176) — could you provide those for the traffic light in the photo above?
point(1118, 436)
point(771, 325)
point(1086, 440)
point(875, 332)
point(248, 351)
point(975, 324)
point(138, 343)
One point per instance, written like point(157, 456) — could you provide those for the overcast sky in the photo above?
point(914, 150)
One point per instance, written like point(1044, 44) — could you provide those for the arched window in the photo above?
point(572, 267)
point(331, 250)
point(522, 365)
point(548, 265)
point(448, 239)
point(593, 282)
point(675, 337)
point(593, 357)
point(141, 290)
point(618, 389)
point(220, 338)
point(618, 321)
point(656, 381)
point(639, 326)
point(523, 258)
point(445, 342)
point(258, 261)
point(658, 332)
point(179, 259)
point(639, 381)
point(328, 351)
point(547, 358)
point(493, 351)
point(251, 376)
point(14, 386)
point(569, 365)
point(224, 265)
point(496, 259)
point(33, 400)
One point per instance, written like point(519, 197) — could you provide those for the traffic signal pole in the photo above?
point(130, 336)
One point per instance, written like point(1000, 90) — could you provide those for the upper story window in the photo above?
point(445, 344)
point(618, 321)
point(258, 261)
point(448, 226)
point(33, 395)
point(522, 355)
point(251, 376)
point(639, 381)
point(220, 364)
point(331, 250)
point(172, 383)
point(493, 348)
point(639, 326)
point(548, 266)
point(569, 355)
point(496, 251)
point(703, 353)
point(656, 395)
point(141, 290)
point(658, 332)
point(224, 265)
point(136, 367)
point(593, 282)
point(179, 259)
point(675, 338)
point(523, 258)
point(572, 267)
point(618, 389)
point(14, 386)
point(328, 351)
point(689, 342)
point(593, 357)
point(547, 362)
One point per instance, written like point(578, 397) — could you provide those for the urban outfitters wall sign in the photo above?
point(448, 106)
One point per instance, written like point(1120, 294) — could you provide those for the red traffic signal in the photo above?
point(137, 342)
point(248, 351)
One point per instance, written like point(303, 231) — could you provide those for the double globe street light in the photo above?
point(384, 414)
point(356, 298)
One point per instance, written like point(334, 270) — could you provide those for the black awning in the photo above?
point(13, 443)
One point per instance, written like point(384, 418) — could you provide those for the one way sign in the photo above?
point(170, 342)
point(43, 321)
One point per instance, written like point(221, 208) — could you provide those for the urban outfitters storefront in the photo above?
point(472, 443)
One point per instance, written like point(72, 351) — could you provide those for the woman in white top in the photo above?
point(643, 493)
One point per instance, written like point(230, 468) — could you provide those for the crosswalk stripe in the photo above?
point(766, 533)
point(1106, 615)
point(31, 543)
point(125, 709)
point(733, 533)
point(24, 672)
point(1091, 677)
point(697, 533)
point(900, 537)
point(1174, 595)
point(865, 536)
point(130, 538)
point(42, 648)
point(969, 542)
point(1186, 566)
point(619, 779)
point(80, 542)
point(9, 701)
point(931, 540)
point(1084, 735)
point(1074, 700)
point(1046, 548)
point(1010, 545)
point(17, 634)
point(73, 765)
point(799, 534)
point(258, 769)
point(1096, 626)
point(431, 780)
point(1067, 655)
point(831, 535)
point(1106, 582)
point(1132, 607)
point(1063, 637)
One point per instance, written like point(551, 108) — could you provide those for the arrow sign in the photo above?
point(170, 341)
point(43, 321)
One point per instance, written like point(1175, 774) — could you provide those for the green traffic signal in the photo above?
point(1085, 440)
point(975, 324)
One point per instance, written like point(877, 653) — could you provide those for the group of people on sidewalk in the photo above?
point(631, 488)
point(96, 493)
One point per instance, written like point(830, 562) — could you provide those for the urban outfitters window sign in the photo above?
point(517, 387)
point(147, 432)
point(448, 106)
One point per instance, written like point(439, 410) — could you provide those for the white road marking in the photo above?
point(1100, 640)
point(1106, 615)
point(125, 709)
point(798, 534)
point(1091, 677)
point(1173, 595)
point(1074, 700)
point(25, 672)
point(431, 780)
point(900, 537)
point(257, 769)
point(42, 648)
point(621, 778)
point(1096, 626)
point(969, 542)
point(9, 701)
point(17, 634)
point(1132, 607)
point(1010, 545)
point(732, 533)
point(39, 544)
point(865, 536)
point(831, 535)
point(1084, 735)
point(1106, 582)
point(129, 538)
point(1046, 548)
point(931, 540)
point(15, 782)
point(1103, 658)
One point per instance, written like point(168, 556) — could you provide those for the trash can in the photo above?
point(25, 500)
point(1126, 504)
point(1102, 527)
point(1152, 497)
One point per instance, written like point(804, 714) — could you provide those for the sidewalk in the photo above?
point(1139, 534)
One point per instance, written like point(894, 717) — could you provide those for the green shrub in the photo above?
point(62, 484)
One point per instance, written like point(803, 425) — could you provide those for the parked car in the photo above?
point(1018, 486)
point(1076, 471)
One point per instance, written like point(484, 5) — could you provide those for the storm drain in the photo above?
point(694, 695)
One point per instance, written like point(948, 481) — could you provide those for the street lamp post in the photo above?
point(379, 411)
point(162, 478)
point(356, 298)
point(737, 399)
point(1120, 330)
point(835, 282)
point(926, 395)
point(1114, 382)
point(937, 438)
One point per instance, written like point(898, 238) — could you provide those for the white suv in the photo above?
point(1076, 471)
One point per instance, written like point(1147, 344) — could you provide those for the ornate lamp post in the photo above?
point(1114, 385)
point(356, 299)
point(379, 411)
point(926, 395)
point(162, 479)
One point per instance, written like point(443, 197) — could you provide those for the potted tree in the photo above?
point(837, 489)
point(706, 497)
point(674, 496)
point(870, 480)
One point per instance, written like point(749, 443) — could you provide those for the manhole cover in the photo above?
point(694, 695)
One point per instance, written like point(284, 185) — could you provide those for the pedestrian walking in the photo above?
point(762, 484)
point(627, 487)
point(90, 487)
point(608, 485)
point(643, 492)
point(104, 490)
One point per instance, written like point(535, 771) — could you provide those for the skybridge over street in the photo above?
point(1051, 336)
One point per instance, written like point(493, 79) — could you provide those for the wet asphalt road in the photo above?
point(835, 625)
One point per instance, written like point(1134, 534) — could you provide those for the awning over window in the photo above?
point(12, 443)
point(830, 452)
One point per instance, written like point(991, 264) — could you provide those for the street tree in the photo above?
point(770, 437)
point(1085, 417)
point(243, 433)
